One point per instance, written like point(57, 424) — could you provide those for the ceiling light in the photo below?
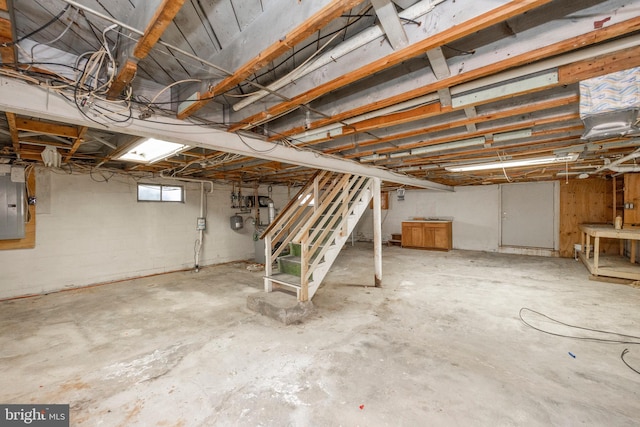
point(512, 163)
point(449, 146)
point(508, 136)
point(151, 150)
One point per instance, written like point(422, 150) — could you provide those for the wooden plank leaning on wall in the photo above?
point(29, 240)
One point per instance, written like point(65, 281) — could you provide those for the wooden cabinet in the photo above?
point(427, 235)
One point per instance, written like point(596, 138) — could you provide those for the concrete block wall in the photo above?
point(91, 229)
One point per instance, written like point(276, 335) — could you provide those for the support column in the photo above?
point(377, 230)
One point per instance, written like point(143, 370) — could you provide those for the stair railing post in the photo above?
point(345, 196)
point(316, 193)
point(268, 264)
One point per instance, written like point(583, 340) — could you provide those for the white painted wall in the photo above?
point(475, 212)
point(90, 232)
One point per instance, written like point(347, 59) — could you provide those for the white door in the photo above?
point(528, 212)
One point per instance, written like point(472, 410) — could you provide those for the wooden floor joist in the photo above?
point(594, 37)
point(469, 27)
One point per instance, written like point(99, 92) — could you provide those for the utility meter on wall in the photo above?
point(201, 224)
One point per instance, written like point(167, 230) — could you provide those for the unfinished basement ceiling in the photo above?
point(412, 87)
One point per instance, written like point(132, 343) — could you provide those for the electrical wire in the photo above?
point(625, 351)
point(626, 339)
point(71, 21)
point(37, 30)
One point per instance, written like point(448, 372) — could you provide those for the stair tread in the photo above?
point(285, 279)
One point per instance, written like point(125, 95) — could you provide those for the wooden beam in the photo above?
point(394, 119)
point(467, 28)
point(594, 37)
point(443, 140)
point(482, 118)
point(13, 131)
point(76, 144)
point(161, 19)
point(599, 66)
point(125, 75)
point(318, 21)
point(157, 26)
point(7, 53)
point(47, 128)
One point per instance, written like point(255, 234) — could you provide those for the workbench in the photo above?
point(609, 265)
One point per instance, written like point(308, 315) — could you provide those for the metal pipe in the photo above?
point(272, 211)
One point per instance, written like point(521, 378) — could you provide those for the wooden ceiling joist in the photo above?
point(481, 118)
point(297, 35)
point(444, 140)
point(76, 144)
point(161, 19)
point(594, 37)
point(47, 128)
point(469, 27)
point(13, 131)
point(7, 49)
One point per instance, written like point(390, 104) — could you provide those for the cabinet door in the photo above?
point(412, 235)
point(441, 238)
point(428, 236)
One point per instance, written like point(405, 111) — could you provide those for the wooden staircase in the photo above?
point(306, 237)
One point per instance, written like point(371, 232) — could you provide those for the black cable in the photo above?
point(253, 149)
point(284, 61)
point(625, 351)
point(37, 30)
point(578, 327)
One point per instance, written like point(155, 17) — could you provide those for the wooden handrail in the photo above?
point(288, 206)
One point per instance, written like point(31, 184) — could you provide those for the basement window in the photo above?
point(160, 193)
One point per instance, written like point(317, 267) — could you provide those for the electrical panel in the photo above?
point(12, 205)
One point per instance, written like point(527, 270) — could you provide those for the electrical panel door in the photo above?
point(12, 208)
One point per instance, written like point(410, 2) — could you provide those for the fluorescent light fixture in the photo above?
point(508, 136)
point(513, 163)
point(399, 154)
point(373, 157)
point(448, 146)
point(513, 88)
point(151, 150)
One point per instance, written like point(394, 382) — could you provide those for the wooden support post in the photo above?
point(268, 264)
point(377, 231)
point(596, 254)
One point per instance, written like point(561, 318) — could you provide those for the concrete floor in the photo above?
point(440, 344)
